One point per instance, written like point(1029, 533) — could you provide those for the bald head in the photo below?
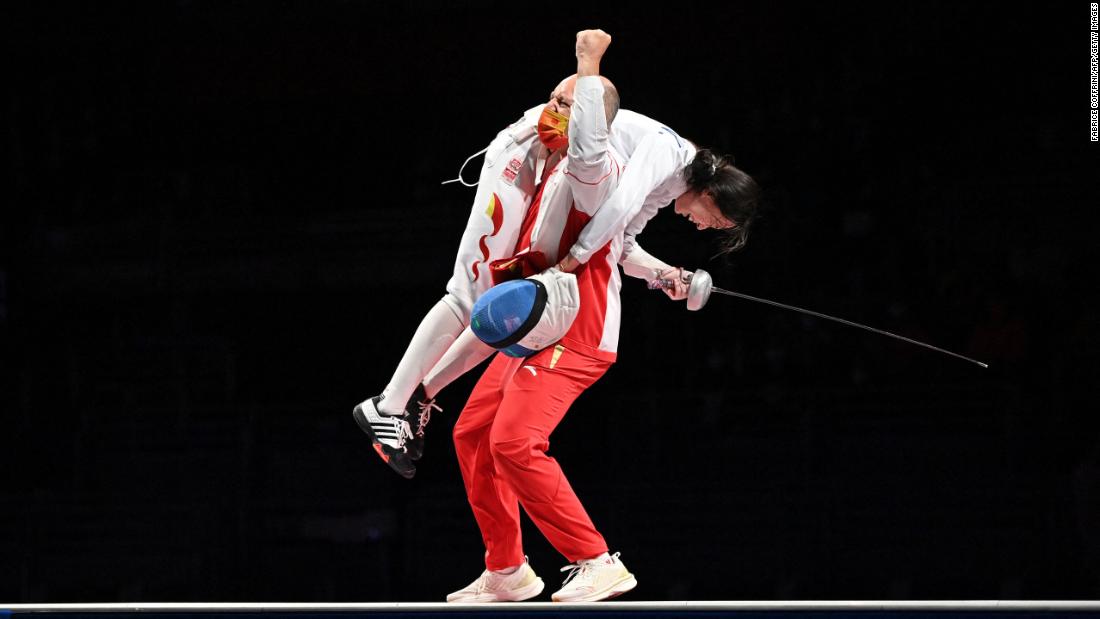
point(610, 99)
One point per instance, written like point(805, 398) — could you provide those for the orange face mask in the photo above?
point(553, 129)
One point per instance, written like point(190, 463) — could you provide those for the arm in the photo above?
point(641, 264)
point(588, 160)
point(589, 163)
point(591, 170)
point(654, 161)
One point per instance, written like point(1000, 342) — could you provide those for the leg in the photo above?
point(461, 357)
point(495, 506)
point(498, 209)
point(435, 335)
point(499, 206)
point(534, 402)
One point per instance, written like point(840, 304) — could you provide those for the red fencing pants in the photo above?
point(501, 439)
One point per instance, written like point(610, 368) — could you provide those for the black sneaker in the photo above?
point(418, 411)
point(389, 434)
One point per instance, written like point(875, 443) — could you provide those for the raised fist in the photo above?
point(591, 44)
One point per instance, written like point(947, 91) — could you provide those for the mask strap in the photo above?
point(459, 179)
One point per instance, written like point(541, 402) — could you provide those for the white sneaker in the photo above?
point(520, 585)
point(593, 580)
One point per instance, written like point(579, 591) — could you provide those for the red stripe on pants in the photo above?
point(501, 439)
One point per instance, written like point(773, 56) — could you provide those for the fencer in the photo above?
point(515, 165)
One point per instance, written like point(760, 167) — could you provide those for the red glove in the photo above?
point(517, 267)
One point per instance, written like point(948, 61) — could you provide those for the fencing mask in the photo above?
point(523, 316)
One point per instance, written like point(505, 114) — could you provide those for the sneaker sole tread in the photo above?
point(519, 595)
point(364, 425)
point(615, 590)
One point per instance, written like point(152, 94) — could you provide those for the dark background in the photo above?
point(222, 222)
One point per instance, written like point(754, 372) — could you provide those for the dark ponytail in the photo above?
point(703, 168)
point(736, 193)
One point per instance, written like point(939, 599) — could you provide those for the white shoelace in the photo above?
point(403, 430)
point(574, 570)
point(425, 414)
point(482, 583)
point(582, 570)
